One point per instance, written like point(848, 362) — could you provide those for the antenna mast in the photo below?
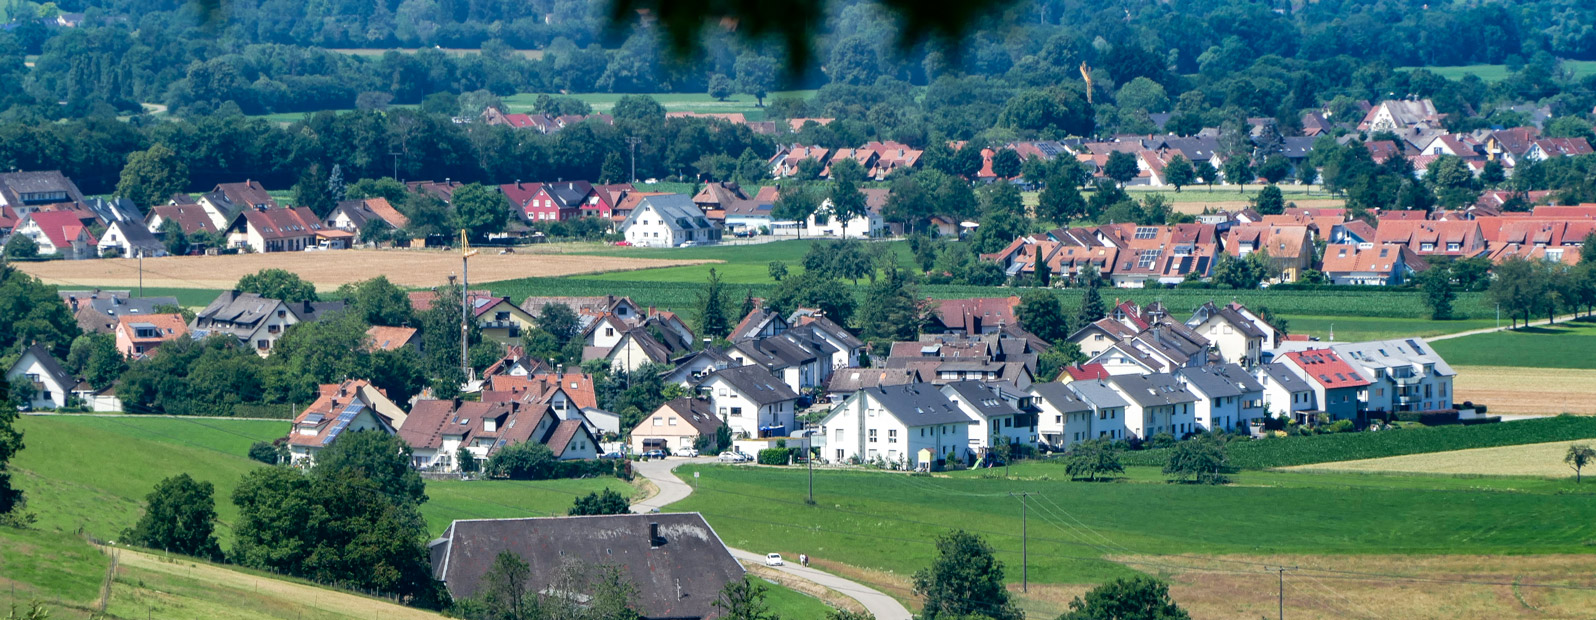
point(465, 304)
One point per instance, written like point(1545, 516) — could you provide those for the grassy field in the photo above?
point(880, 527)
point(700, 103)
point(1286, 451)
point(1536, 459)
point(1497, 73)
point(1357, 329)
point(70, 493)
point(1570, 344)
point(602, 103)
point(1526, 390)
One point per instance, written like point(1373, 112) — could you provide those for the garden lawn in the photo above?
point(1570, 344)
point(1287, 451)
point(888, 522)
point(791, 604)
point(93, 472)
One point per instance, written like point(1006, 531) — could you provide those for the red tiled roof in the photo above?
point(1326, 368)
point(60, 226)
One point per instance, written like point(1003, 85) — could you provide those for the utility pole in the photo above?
point(633, 141)
point(1025, 541)
point(1280, 572)
point(810, 459)
point(395, 155)
point(465, 304)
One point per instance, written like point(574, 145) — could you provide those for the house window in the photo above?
point(736, 411)
point(839, 434)
point(672, 422)
point(609, 331)
point(892, 435)
point(1059, 420)
point(263, 344)
point(872, 435)
point(501, 316)
point(659, 421)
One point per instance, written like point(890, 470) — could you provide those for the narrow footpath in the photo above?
point(672, 490)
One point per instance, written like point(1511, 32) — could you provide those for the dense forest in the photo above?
point(1191, 57)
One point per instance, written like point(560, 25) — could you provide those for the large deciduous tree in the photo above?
point(278, 284)
point(479, 210)
point(1133, 598)
point(964, 580)
point(151, 176)
point(179, 517)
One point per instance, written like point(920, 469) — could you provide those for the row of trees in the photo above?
point(1529, 288)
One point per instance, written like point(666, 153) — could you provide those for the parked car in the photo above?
point(612, 455)
point(773, 559)
point(654, 454)
point(687, 452)
point(623, 243)
point(730, 456)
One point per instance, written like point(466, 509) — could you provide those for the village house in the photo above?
point(500, 319)
point(223, 204)
point(1336, 384)
point(800, 363)
point(256, 321)
point(996, 416)
point(677, 425)
point(1453, 238)
point(98, 311)
point(914, 425)
point(1403, 374)
point(1063, 417)
point(635, 348)
point(824, 222)
point(1236, 337)
point(669, 220)
point(437, 430)
point(753, 402)
point(138, 335)
point(355, 216)
point(1290, 248)
point(348, 407)
point(59, 233)
point(1156, 403)
point(38, 369)
point(283, 230)
point(191, 218)
point(385, 338)
point(129, 240)
point(676, 562)
point(1286, 395)
point(24, 192)
point(1228, 399)
point(1383, 265)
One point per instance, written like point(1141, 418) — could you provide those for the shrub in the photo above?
point(266, 453)
point(777, 456)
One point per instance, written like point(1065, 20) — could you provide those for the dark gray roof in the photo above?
point(116, 303)
point(696, 412)
point(48, 361)
point(14, 184)
point(238, 313)
point(139, 237)
point(983, 398)
point(1060, 396)
point(1155, 390)
point(918, 404)
point(755, 383)
point(116, 210)
point(1289, 381)
point(678, 574)
point(838, 332)
point(1097, 393)
point(677, 210)
point(1220, 380)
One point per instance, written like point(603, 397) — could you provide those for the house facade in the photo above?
point(914, 425)
point(1156, 403)
point(669, 220)
point(137, 336)
point(61, 233)
point(677, 425)
point(39, 369)
point(753, 402)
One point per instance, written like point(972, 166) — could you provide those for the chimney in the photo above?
point(653, 535)
point(74, 301)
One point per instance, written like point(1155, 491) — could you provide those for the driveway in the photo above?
point(672, 490)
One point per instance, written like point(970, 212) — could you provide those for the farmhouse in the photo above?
point(675, 560)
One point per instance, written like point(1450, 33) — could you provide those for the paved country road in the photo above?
point(672, 490)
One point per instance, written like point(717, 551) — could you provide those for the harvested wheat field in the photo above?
point(1229, 587)
point(1535, 459)
point(328, 270)
point(1519, 390)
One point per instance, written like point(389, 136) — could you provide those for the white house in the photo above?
point(996, 418)
point(1157, 403)
point(51, 383)
point(1107, 420)
point(822, 223)
point(753, 402)
point(1228, 397)
point(1285, 394)
point(129, 240)
point(1063, 418)
point(915, 425)
point(1235, 336)
point(669, 220)
point(347, 407)
point(58, 232)
point(818, 329)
